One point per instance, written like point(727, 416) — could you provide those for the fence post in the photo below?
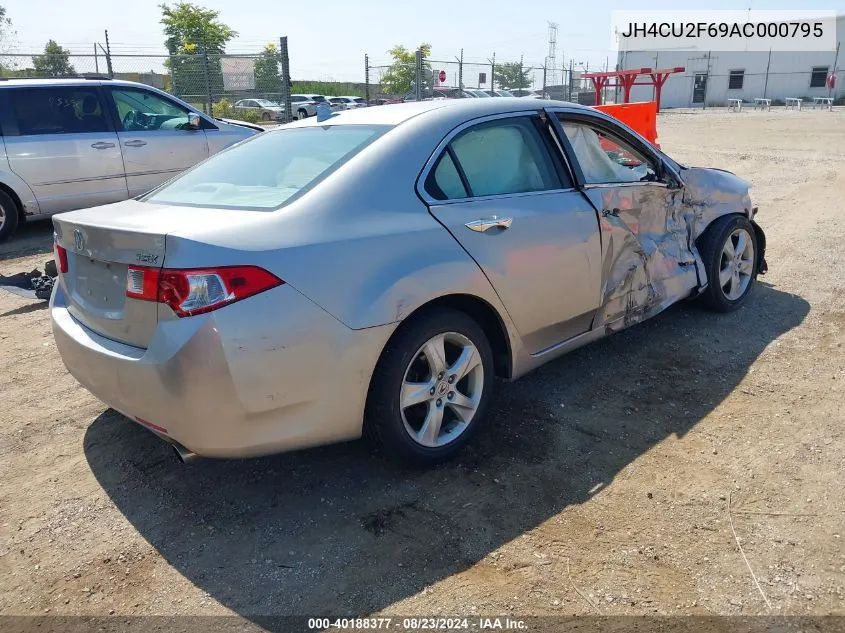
point(569, 96)
point(108, 56)
point(208, 104)
point(96, 60)
point(493, 72)
point(286, 82)
point(418, 74)
point(766, 84)
point(367, 78)
point(461, 70)
point(544, 81)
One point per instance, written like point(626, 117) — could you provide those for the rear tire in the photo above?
point(729, 251)
point(265, 116)
point(303, 114)
point(9, 216)
point(424, 406)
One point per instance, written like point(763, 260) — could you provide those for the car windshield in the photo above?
point(358, 100)
point(264, 172)
point(265, 104)
point(318, 99)
point(504, 93)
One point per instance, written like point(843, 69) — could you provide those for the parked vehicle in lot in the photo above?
point(240, 309)
point(500, 93)
point(318, 99)
point(475, 92)
point(267, 110)
point(348, 103)
point(72, 143)
point(303, 106)
point(531, 94)
point(440, 92)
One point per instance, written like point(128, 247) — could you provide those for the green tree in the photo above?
point(195, 39)
point(399, 78)
point(7, 34)
point(55, 62)
point(512, 76)
point(268, 80)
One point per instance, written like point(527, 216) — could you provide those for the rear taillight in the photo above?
point(197, 290)
point(61, 258)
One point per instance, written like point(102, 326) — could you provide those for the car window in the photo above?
point(139, 110)
point(263, 103)
point(318, 99)
point(60, 110)
point(262, 173)
point(336, 100)
point(504, 156)
point(605, 158)
point(359, 100)
point(296, 98)
point(444, 182)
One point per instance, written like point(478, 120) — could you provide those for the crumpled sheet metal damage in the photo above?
point(650, 260)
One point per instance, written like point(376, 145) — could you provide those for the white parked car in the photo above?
point(348, 103)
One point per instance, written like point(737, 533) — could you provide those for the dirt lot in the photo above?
point(601, 485)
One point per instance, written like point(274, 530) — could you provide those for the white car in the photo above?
point(348, 103)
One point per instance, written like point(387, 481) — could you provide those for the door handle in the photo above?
point(484, 224)
point(102, 145)
point(135, 143)
point(614, 212)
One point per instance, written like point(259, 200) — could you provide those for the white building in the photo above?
point(721, 75)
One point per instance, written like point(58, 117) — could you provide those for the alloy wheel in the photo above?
point(441, 389)
point(736, 266)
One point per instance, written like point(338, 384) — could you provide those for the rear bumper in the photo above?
point(268, 374)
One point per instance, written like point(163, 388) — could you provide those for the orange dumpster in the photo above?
point(641, 117)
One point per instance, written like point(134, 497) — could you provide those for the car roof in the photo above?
point(456, 110)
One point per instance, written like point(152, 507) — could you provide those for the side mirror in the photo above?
point(194, 121)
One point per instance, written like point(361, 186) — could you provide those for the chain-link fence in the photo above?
point(387, 82)
point(212, 83)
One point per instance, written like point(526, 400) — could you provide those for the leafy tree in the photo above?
point(55, 62)
point(268, 80)
point(512, 76)
point(7, 34)
point(195, 39)
point(399, 78)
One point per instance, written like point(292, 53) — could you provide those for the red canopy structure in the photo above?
point(628, 78)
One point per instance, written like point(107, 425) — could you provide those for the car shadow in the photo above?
point(31, 238)
point(337, 530)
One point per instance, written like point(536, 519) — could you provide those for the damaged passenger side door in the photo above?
point(647, 261)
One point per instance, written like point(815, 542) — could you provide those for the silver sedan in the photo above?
point(373, 272)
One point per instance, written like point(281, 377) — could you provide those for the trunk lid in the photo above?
point(95, 283)
point(103, 242)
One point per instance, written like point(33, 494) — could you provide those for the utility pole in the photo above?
point(570, 80)
point(492, 71)
point(706, 80)
point(108, 56)
point(833, 75)
point(461, 70)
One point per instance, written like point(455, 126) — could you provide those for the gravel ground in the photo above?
point(617, 480)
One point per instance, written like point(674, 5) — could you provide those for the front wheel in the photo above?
point(729, 251)
point(265, 116)
point(303, 114)
point(431, 388)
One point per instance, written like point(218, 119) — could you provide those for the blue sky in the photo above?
point(328, 38)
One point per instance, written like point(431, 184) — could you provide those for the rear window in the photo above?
point(264, 172)
point(318, 99)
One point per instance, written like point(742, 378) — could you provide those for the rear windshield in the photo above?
point(262, 173)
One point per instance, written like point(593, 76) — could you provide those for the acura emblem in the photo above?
point(78, 240)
